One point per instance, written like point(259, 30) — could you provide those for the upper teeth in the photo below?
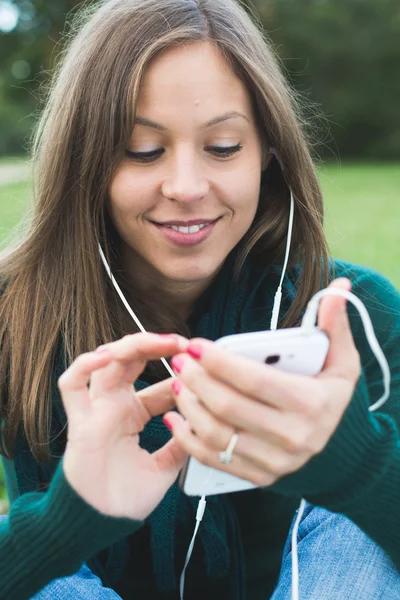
point(192, 229)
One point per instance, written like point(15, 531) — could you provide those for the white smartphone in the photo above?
point(295, 350)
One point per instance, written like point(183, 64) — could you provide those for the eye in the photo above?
point(145, 157)
point(224, 151)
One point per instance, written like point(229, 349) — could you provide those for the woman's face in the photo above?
point(194, 160)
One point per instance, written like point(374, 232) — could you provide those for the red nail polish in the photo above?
point(177, 363)
point(176, 386)
point(167, 423)
point(195, 351)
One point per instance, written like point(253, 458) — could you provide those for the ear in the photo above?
point(266, 158)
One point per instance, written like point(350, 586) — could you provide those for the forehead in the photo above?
point(192, 76)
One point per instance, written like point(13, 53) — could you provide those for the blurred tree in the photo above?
point(342, 55)
point(27, 53)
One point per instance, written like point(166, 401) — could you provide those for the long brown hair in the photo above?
point(55, 286)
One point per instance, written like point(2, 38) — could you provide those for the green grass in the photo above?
point(12, 160)
point(362, 214)
point(14, 201)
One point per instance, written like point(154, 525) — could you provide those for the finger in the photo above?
point(270, 457)
point(73, 383)
point(113, 377)
point(333, 308)
point(216, 418)
point(226, 382)
point(212, 431)
point(191, 444)
point(157, 398)
point(131, 355)
point(342, 357)
point(222, 400)
point(170, 460)
point(147, 346)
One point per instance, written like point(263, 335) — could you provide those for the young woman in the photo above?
point(171, 138)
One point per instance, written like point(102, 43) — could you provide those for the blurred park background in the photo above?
point(343, 56)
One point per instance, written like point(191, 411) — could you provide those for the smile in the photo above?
point(186, 233)
point(191, 229)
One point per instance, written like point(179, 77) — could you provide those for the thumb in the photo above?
point(333, 319)
point(170, 460)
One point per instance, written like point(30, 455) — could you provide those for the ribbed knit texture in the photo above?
point(357, 474)
point(50, 535)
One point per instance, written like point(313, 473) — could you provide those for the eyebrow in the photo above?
point(229, 115)
point(220, 119)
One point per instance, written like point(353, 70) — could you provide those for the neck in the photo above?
point(180, 294)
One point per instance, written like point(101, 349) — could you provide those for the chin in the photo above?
point(194, 273)
point(192, 276)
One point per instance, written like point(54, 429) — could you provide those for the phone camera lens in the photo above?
point(272, 360)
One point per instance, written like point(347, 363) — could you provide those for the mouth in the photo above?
point(186, 233)
point(187, 226)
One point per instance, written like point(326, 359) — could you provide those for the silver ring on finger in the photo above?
point(225, 457)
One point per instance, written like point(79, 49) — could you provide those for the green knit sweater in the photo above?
point(47, 536)
point(358, 473)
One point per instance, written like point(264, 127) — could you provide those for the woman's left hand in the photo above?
point(283, 419)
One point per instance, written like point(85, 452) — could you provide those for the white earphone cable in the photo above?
point(199, 516)
point(202, 503)
point(310, 318)
point(309, 321)
point(295, 554)
point(125, 303)
point(274, 322)
point(278, 294)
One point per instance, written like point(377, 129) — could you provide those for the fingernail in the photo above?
point(102, 349)
point(195, 351)
point(176, 386)
point(177, 363)
point(171, 336)
point(167, 423)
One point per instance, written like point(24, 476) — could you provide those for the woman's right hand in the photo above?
point(103, 461)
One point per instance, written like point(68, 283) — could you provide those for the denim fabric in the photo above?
point(84, 585)
point(337, 561)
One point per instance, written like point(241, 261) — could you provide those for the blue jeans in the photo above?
point(337, 561)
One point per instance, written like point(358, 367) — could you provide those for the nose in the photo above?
point(186, 182)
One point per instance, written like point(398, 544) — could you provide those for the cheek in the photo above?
point(127, 198)
point(243, 191)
